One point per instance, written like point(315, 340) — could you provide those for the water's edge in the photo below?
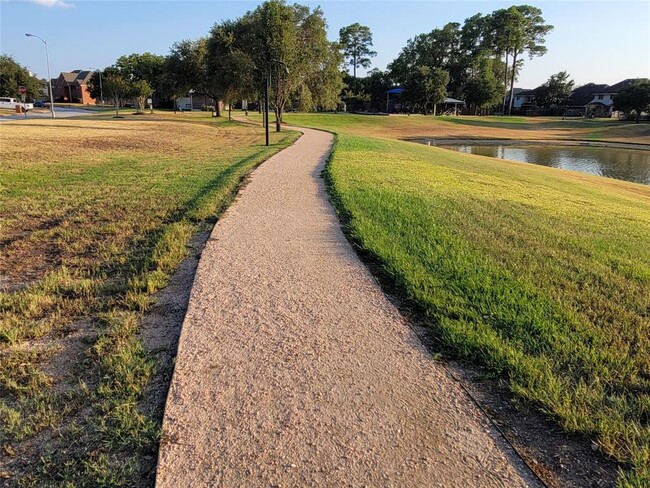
point(621, 161)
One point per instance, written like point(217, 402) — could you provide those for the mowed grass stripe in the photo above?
point(541, 274)
point(96, 215)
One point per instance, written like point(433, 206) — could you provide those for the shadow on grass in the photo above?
point(192, 210)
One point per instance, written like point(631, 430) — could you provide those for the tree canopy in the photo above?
point(502, 36)
point(134, 75)
point(184, 67)
point(116, 87)
point(483, 88)
point(285, 45)
point(144, 74)
point(634, 97)
point(519, 29)
point(356, 41)
point(13, 75)
point(555, 91)
point(426, 87)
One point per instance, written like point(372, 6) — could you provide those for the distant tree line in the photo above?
point(286, 46)
point(478, 61)
point(283, 45)
point(13, 76)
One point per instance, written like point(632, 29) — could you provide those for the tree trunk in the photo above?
point(354, 66)
point(505, 84)
point(512, 81)
point(217, 107)
point(434, 109)
point(278, 118)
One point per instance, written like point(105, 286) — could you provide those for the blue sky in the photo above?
point(599, 41)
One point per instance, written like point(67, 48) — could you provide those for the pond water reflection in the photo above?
point(623, 164)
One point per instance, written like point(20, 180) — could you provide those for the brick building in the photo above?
point(71, 87)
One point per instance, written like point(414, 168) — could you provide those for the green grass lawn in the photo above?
point(466, 127)
point(95, 215)
point(542, 275)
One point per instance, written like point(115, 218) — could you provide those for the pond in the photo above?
point(623, 164)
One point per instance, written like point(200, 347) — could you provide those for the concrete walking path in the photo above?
point(294, 369)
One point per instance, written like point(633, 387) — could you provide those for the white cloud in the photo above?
point(53, 3)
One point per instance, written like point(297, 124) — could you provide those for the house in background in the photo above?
point(71, 87)
point(524, 99)
point(197, 102)
point(602, 103)
point(580, 97)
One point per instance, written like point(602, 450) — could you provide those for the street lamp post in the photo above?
point(267, 85)
point(266, 95)
point(49, 78)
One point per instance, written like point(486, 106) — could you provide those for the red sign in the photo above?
point(22, 90)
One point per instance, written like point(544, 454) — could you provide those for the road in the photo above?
point(60, 113)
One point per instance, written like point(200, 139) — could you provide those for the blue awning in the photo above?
point(395, 91)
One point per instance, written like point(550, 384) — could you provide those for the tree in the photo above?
point(141, 90)
point(13, 75)
point(354, 92)
point(438, 49)
point(426, 87)
point(229, 69)
point(520, 29)
point(634, 97)
point(146, 66)
point(483, 89)
point(555, 91)
point(93, 86)
point(356, 40)
point(143, 73)
point(377, 83)
point(506, 26)
point(185, 70)
point(116, 87)
point(286, 44)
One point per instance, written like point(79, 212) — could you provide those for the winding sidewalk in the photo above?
point(294, 369)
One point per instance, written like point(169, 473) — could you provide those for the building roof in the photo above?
point(77, 76)
point(518, 91)
point(617, 87)
point(611, 90)
point(523, 91)
point(582, 95)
